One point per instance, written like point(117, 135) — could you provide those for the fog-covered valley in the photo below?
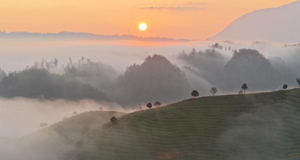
point(43, 83)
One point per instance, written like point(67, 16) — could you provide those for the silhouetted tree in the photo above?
point(157, 104)
point(285, 86)
point(213, 91)
point(74, 112)
point(113, 119)
point(79, 144)
point(193, 51)
point(2, 74)
point(217, 46)
point(298, 80)
point(244, 87)
point(149, 105)
point(195, 93)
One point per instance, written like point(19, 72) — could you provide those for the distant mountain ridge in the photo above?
point(279, 24)
point(82, 35)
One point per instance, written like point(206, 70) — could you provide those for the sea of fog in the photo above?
point(17, 54)
point(20, 116)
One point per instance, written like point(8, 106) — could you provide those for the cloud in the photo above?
point(190, 6)
point(196, 3)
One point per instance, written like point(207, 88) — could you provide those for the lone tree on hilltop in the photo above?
point(213, 91)
point(244, 87)
point(298, 80)
point(195, 93)
point(149, 105)
point(157, 104)
point(113, 119)
point(285, 86)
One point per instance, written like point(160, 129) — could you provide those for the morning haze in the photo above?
point(151, 80)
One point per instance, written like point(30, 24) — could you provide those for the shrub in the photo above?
point(149, 105)
point(157, 104)
point(195, 93)
point(285, 86)
point(113, 119)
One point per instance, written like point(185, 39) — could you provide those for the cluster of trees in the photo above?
point(246, 65)
point(156, 104)
point(40, 83)
point(213, 91)
point(97, 74)
point(244, 87)
point(156, 78)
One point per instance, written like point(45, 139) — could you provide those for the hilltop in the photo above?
point(260, 126)
point(82, 36)
point(272, 24)
point(231, 127)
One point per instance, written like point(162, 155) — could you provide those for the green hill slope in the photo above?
point(233, 127)
point(52, 142)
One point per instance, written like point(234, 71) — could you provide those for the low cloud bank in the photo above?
point(20, 116)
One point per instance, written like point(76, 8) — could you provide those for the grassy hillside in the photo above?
point(233, 127)
point(53, 141)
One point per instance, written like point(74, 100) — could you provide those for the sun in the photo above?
point(143, 26)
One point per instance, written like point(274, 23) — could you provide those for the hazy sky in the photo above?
point(192, 19)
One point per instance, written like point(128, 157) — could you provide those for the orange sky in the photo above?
point(191, 19)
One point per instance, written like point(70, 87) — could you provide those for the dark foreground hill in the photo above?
point(255, 126)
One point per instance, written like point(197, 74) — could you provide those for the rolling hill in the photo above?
point(52, 142)
point(82, 36)
point(273, 25)
point(232, 127)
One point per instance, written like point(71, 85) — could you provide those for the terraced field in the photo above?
point(254, 126)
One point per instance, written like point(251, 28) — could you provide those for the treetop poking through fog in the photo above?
point(155, 79)
point(39, 83)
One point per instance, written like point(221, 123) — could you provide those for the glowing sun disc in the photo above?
point(143, 26)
